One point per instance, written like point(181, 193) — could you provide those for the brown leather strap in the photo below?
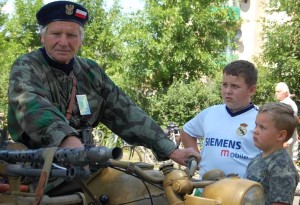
point(48, 156)
point(72, 99)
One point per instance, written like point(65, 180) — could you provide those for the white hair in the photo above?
point(284, 87)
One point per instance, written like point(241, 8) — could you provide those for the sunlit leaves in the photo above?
point(281, 53)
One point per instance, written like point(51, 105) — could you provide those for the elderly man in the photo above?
point(55, 97)
point(282, 93)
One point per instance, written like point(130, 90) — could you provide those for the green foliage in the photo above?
point(21, 30)
point(184, 100)
point(169, 56)
point(101, 43)
point(18, 36)
point(105, 137)
point(281, 54)
point(175, 41)
point(3, 58)
point(265, 87)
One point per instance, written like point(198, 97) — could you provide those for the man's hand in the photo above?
point(71, 142)
point(181, 155)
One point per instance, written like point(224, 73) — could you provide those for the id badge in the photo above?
point(83, 105)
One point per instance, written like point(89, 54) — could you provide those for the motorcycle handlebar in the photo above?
point(157, 180)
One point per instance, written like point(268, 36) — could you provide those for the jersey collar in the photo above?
point(241, 111)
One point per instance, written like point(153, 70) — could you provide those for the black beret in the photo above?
point(62, 11)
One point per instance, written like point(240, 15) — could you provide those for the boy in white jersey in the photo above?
point(227, 128)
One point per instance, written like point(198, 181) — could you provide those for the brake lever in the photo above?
point(191, 164)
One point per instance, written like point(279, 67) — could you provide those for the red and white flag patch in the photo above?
point(80, 14)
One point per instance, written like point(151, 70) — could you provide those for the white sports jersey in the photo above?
point(228, 138)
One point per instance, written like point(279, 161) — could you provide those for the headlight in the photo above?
point(235, 191)
point(254, 195)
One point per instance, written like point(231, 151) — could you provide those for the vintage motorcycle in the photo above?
point(97, 176)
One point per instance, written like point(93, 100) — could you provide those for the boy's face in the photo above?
point(235, 92)
point(266, 136)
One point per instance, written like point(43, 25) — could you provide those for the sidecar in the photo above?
point(91, 176)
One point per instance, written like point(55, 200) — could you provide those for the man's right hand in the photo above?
point(182, 155)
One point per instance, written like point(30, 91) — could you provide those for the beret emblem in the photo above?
point(69, 9)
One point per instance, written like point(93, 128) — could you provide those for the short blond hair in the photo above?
point(282, 116)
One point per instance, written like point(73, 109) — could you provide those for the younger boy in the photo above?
point(273, 168)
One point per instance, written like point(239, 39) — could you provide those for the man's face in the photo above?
point(62, 40)
point(235, 92)
point(280, 94)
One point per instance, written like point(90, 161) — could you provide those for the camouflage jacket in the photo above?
point(277, 174)
point(39, 94)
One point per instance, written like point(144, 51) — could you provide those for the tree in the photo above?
point(183, 101)
point(281, 55)
point(176, 40)
point(22, 29)
point(3, 60)
point(171, 44)
point(146, 52)
point(18, 35)
point(101, 43)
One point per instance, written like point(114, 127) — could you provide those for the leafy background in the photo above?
point(167, 57)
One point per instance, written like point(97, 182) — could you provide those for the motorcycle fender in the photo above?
point(195, 200)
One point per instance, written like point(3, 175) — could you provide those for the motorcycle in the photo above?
point(97, 176)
